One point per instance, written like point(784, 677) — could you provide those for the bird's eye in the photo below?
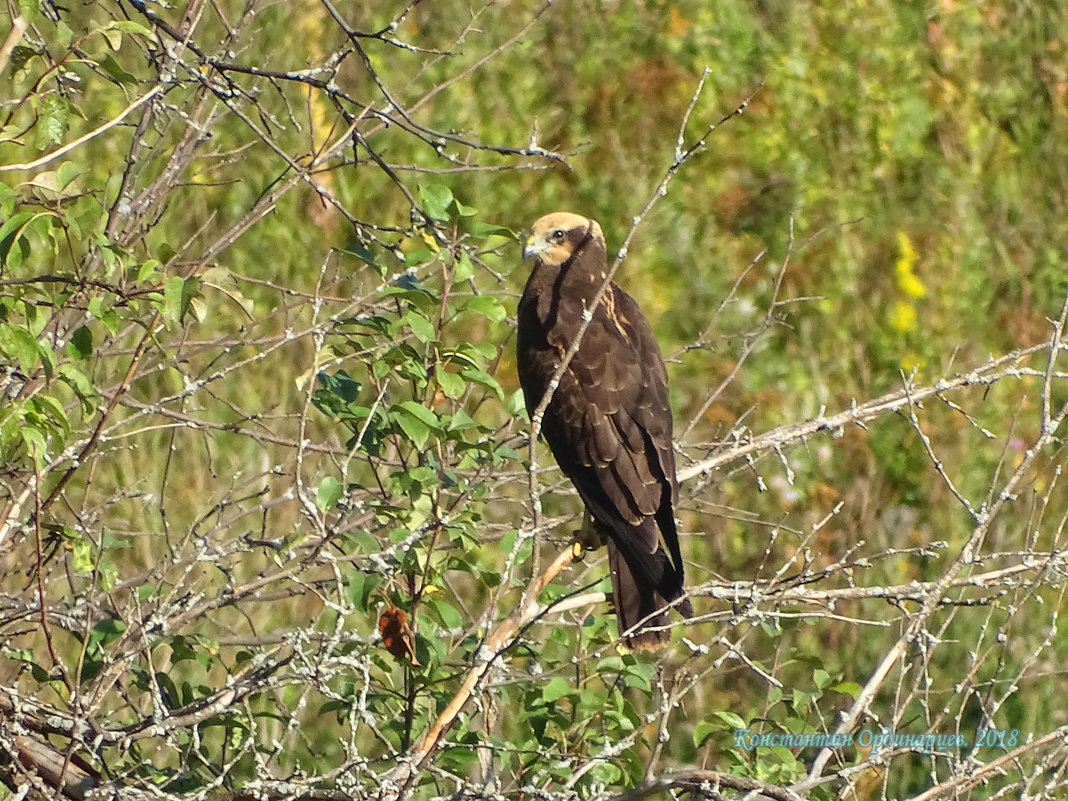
point(557, 235)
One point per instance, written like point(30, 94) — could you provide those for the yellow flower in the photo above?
point(903, 317)
point(907, 281)
point(911, 285)
point(911, 361)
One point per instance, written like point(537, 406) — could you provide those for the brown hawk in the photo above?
point(608, 423)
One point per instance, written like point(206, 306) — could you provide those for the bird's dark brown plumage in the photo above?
point(608, 423)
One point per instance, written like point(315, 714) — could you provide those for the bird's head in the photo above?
point(556, 237)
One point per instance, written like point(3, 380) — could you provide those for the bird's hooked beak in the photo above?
point(531, 248)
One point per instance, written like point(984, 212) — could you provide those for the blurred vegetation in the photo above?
point(236, 358)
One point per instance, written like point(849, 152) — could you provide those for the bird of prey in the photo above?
point(608, 422)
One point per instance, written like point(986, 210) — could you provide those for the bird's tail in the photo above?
point(643, 587)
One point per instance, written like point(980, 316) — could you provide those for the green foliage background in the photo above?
point(264, 394)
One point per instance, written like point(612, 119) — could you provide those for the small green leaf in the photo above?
point(81, 343)
point(147, 270)
point(731, 719)
point(190, 290)
point(66, 173)
point(414, 429)
point(172, 299)
point(850, 688)
point(25, 346)
point(328, 493)
point(821, 677)
point(53, 410)
point(420, 326)
point(463, 267)
point(79, 382)
point(485, 379)
point(516, 404)
point(461, 421)
point(488, 306)
point(10, 232)
point(450, 618)
point(483, 229)
point(81, 556)
point(109, 574)
point(115, 70)
point(424, 414)
point(30, 9)
point(35, 443)
point(358, 588)
point(129, 26)
point(21, 55)
point(64, 35)
point(451, 384)
point(703, 730)
point(361, 252)
point(436, 199)
point(53, 119)
point(556, 689)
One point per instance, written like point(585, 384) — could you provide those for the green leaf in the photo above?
point(82, 556)
point(450, 617)
point(732, 719)
point(638, 674)
point(108, 571)
point(20, 57)
point(483, 229)
point(172, 300)
point(487, 306)
point(420, 326)
point(850, 688)
point(452, 385)
point(81, 343)
point(116, 71)
point(48, 359)
point(362, 252)
point(516, 404)
point(556, 689)
point(328, 493)
point(178, 293)
point(412, 423)
point(53, 410)
point(436, 199)
point(103, 633)
point(485, 379)
point(79, 382)
point(703, 730)
point(66, 173)
point(64, 35)
point(52, 122)
point(358, 588)
point(190, 290)
point(24, 347)
point(821, 677)
point(463, 267)
point(424, 414)
point(10, 232)
point(35, 443)
point(148, 270)
point(461, 421)
point(30, 9)
point(129, 26)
